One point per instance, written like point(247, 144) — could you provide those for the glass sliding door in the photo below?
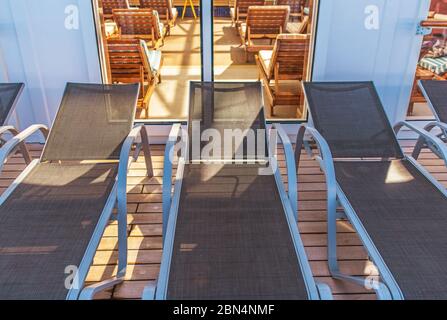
point(279, 54)
point(172, 37)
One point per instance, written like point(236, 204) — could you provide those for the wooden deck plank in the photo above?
point(144, 226)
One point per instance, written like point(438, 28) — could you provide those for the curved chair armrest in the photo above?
point(9, 129)
point(123, 168)
point(174, 134)
point(18, 139)
point(436, 124)
point(23, 148)
point(424, 136)
point(291, 168)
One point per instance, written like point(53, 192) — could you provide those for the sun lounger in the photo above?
point(53, 216)
point(230, 232)
point(435, 93)
point(131, 61)
point(394, 205)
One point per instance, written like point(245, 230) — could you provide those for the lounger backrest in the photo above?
point(137, 23)
point(128, 60)
point(92, 122)
point(267, 19)
point(437, 93)
point(227, 105)
point(9, 94)
point(296, 6)
point(289, 57)
point(242, 5)
point(351, 118)
point(163, 7)
point(109, 5)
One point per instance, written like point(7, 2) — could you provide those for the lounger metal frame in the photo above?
point(117, 198)
point(437, 124)
point(13, 131)
point(158, 290)
point(387, 288)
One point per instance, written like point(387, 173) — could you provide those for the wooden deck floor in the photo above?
point(144, 217)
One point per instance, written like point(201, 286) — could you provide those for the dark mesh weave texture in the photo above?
point(351, 118)
point(232, 240)
point(406, 217)
point(92, 122)
point(227, 106)
point(9, 93)
point(46, 225)
point(437, 93)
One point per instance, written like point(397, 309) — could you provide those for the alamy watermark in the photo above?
point(211, 145)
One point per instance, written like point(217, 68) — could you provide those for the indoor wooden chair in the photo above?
point(262, 26)
point(238, 11)
point(296, 8)
point(132, 61)
point(109, 5)
point(166, 11)
point(140, 24)
point(286, 62)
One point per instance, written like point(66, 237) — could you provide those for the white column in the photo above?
point(206, 29)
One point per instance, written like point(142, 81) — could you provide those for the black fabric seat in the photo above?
point(402, 211)
point(406, 217)
point(436, 91)
point(46, 225)
point(48, 220)
point(232, 241)
point(9, 93)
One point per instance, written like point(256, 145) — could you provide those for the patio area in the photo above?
point(144, 226)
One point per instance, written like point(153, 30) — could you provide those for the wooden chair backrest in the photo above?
point(296, 6)
point(163, 7)
point(129, 62)
point(243, 5)
point(140, 23)
point(109, 5)
point(267, 19)
point(290, 56)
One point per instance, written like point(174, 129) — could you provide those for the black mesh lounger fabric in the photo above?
point(92, 122)
point(227, 106)
point(406, 218)
point(46, 225)
point(9, 93)
point(351, 118)
point(232, 240)
point(48, 220)
point(437, 92)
